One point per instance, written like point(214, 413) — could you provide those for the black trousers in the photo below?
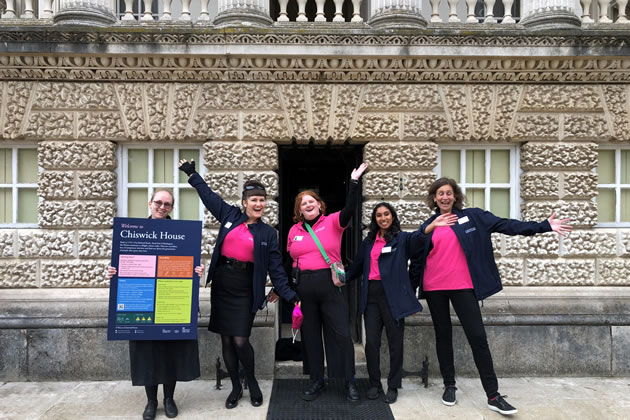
point(325, 309)
point(467, 310)
point(378, 315)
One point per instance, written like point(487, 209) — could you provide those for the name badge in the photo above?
point(386, 250)
point(228, 224)
point(463, 220)
point(298, 238)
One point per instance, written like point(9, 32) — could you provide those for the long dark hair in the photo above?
point(392, 231)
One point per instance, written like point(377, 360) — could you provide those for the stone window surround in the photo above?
point(616, 186)
point(515, 172)
point(175, 187)
point(16, 185)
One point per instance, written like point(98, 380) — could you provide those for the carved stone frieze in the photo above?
point(294, 99)
point(95, 244)
point(321, 110)
point(35, 244)
point(616, 97)
point(235, 97)
point(101, 125)
point(75, 96)
point(377, 126)
point(482, 98)
point(427, 126)
point(57, 124)
point(405, 98)
point(457, 100)
point(346, 104)
point(548, 156)
point(265, 126)
point(13, 107)
point(561, 98)
point(77, 155)
point(507, 98)
point(211, 125)
point(560, 272)
point(586, 127)
point(75, 273)
point(536, 127)
point(182, 108)
point(18, 273)
point(157, 97)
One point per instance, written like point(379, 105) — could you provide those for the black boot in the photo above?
point(352, 392)
point(232, 399)
point(313, 392)
point(150, 410)
point(170, 408)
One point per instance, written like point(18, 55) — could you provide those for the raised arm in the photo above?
point(213, 202)
point(352, 200)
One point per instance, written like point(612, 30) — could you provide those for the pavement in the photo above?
point(536, 398)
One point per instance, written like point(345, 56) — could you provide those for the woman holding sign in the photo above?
point(246, 251)
point(165, 362)
point(314, 244)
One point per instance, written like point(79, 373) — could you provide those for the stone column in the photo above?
point(551, 14)
point(85, 13)
point(388, 14)
point(243, 13)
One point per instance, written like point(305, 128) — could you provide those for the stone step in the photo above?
point(293, 370)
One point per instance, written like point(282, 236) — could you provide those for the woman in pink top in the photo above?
point(323, 305)
point(459, 268)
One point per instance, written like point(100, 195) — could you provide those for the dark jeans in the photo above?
point(378, 315)
point(467, 310)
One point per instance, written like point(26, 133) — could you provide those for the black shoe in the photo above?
point(448, 398)
point(232, 399)
point(256, 400)
point(352, 392)
point(373, 392)
point(391, 396)
point(499, 405)
point(313, 392)
point(149, 410)
point(170, 408)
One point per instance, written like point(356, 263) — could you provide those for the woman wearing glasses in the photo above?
point(246, 251)
point(165, 362)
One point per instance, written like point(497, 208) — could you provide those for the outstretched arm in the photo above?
point(560, 226)
point(352, 200)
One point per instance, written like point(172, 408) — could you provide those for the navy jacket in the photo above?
point(473, 230)
point(393, 268)
point(267, 256)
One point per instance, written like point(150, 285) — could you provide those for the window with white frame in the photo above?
point(18, 185)
point(488, 176)
point(146, 169)
point(613, 187)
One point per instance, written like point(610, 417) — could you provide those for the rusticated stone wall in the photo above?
point(78, 128)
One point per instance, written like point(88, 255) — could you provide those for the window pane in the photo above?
point(625, 166)
point(475, 166)
point(27, 205)
point(500, 166)
point(137, 202)
point(5, 166)
point(451, 164)
point(188, 204)
point(476, 198)
point(188, 155)
point(27, 166)
point(606, 167)
point(625, 205)
point(137, 165)
point(6, 205)
point(163, 166)
point(606, 205)
point(500, 202)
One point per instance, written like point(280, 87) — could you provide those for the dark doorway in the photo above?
point(325, 169)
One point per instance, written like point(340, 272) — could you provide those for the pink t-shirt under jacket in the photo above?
point(446, 267)
point(239, 244)
point(303, 248)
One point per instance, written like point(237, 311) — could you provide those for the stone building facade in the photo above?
point(553, 89)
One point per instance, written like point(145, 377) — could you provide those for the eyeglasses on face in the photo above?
point(254, 187)
point(159, 203)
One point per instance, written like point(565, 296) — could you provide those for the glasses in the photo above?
point(159, 203)
point(254, 187)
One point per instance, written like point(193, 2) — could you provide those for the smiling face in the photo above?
point(161, 205)
point(255, 206)
point(309, 207)
point(445, 198)
point(384, 218)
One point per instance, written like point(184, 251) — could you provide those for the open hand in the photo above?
point(357, 172)
point(446, 219)
point(560, 226)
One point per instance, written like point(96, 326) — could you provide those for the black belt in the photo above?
point(234, 263)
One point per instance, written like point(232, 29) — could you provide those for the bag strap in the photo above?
point(319, 245)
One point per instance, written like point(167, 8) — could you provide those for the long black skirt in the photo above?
point(156, 362)
point(231, 300)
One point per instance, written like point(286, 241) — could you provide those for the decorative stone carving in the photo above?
point(426, 127)
point(377, 126)
point(396, 14)
point(581, 213)
point(73, 214)
point(56, 184)
point(131, 99)
point(240, 96)
point(382, 185)
point(497, 244)
point(93, 13)
point(613, 272)
point(270, 216)
point(416, 184)
point(240, 155)
point(48, 124)
point(625, 243)
point(95, 244)
point(207, 125)
point(579, 184)
point(411, 213)
point(536, 127)
point(183, 102)
point(208, 240)
point(17, 274)
point(265, 126)
point(96, 184)
point(414, 156)
point(402, 98)
point(561, 98)
point(347, 102)
point(7, 238)
point(158, 96)
point(616, 97)
point(541, 245)
point(14, 103)
point(507, 98)
point(457, 100)
point(101, 125)
point(245, 12)
point(590, 127)
point(510, 271)
point(34, 244)
point(548, 156)
point(482, 100)
point(224, 183)
point(322, 112)
point(540, 185)
point(595, 244)
point(560, 272)
point(561, 14)
point(76, 273)
point(75, 96)
point(294, 99)
point(268, 178)
point(77, 155)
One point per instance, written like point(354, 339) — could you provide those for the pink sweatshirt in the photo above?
point(377, 248)
point(301, 245)
point(446, 267)
point(239, 244)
